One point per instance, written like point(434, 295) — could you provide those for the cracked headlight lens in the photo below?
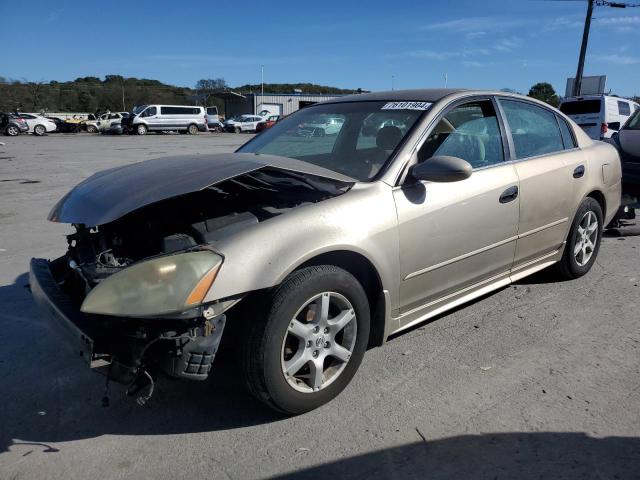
point(159, 286)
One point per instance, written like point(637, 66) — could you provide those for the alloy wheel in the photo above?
point(586, 238)
point(319, 342)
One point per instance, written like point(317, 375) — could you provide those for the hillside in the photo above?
point(114, 92)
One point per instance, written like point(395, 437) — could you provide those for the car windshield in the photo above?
point(358, 141)
point(634, 122)
point(138, 109)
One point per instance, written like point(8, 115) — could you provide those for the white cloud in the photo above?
point(616, 58)
point(475, 64)
point(627, 20)
point(477, 24)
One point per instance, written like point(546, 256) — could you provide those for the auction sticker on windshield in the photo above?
point(407, 106)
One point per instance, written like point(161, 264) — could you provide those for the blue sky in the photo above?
point(484, 44)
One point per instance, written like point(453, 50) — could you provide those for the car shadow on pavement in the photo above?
point(507, 456)
point(50, 396)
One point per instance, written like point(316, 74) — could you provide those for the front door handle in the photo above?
point(509, 195)
point(579, 171)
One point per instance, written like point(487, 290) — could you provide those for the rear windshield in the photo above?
point(580, 107)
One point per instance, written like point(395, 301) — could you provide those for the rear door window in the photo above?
point(534, 129)
point(624, 108)
point(567, 136)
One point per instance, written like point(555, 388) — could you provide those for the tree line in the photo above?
point(117, 93)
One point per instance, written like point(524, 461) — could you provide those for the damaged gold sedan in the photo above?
point(308, 245)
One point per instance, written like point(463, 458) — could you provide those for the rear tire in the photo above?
point(39, 130)
point(92, 129)
point(279, 366)
point(192, 129)
point(583, 242)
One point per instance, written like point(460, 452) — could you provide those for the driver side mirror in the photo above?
point(442, 168)
point(614, 125)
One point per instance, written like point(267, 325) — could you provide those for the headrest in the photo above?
point(388, 137)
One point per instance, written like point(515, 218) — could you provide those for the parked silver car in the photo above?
point(306, 250)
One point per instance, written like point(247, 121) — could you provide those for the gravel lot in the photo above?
point(538, 380)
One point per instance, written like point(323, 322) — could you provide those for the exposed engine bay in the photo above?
point(197, 218)
point(132, 350)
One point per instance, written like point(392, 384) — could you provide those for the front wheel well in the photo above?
point(360, 267)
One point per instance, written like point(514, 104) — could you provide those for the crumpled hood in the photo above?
point(111, 194)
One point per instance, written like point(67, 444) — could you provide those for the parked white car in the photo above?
point(37, 124)
point(599, 115)
point(105, 121)
point(244, 123)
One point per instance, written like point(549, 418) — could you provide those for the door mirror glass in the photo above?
point(614, 125)
point(442, 168)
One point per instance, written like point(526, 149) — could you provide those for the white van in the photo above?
point(213, 118)
point(599, 115)
point(183, 118)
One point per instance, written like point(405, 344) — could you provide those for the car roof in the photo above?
point(417, 95)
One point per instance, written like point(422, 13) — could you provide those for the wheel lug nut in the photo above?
point(326, 329)
point(316, 329)
point(327, 345)
point(309, 343)
point(315, 353)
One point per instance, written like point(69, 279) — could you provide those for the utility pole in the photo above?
point(124, 109)
point(393, 78)
point(577, 84)
point(446, 79)
point(262, 83)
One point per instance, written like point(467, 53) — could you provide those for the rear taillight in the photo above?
point(604, 128)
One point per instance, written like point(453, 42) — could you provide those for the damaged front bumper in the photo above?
point(121, 348)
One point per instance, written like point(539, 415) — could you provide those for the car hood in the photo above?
point(111, 194)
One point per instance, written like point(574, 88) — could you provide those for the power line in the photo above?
point(577, 85)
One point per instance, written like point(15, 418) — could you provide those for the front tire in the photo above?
point(39, 130)
point(141, 129)
point(12, 131)
point(583, 242)
point(92, 129)
point(306, 346)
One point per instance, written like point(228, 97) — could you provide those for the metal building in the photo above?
point(276, 103)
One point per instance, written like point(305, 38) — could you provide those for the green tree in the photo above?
point(545, 92)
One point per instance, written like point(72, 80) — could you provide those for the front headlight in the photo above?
point(160, 286)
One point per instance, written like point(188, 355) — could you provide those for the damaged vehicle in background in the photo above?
point(299, 252)
point(627, 142)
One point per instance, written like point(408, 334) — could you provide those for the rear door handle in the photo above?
point(579, 171)
point(509, 195)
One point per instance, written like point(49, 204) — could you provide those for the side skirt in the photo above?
point(453, 300)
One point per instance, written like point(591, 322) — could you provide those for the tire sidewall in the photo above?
point(588, 204)
point(141, 129)
point(192, 129)
point(284, 396)
point(13, 131)
point(39, 130)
